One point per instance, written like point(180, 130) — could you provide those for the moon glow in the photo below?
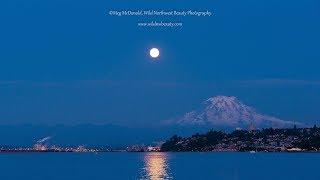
point(154, 52)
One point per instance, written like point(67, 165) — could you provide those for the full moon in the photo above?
point(154, 52)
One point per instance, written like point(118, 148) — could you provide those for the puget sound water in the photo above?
point(160, 166)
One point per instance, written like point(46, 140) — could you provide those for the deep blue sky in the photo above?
point(67, 62)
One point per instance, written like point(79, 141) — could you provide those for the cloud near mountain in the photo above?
point(228, 111)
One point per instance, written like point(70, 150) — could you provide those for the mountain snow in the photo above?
point(228, 111)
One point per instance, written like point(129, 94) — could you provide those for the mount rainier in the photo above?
point(228, 111)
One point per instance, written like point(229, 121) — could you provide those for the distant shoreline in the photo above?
point(265, 140)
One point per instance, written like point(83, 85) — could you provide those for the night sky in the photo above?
point(68, 62)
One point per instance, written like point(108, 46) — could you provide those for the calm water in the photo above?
point(105, 166)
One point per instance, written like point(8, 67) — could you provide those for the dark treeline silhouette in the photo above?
point(294, 139)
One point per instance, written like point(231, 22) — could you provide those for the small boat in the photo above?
point(252, 152)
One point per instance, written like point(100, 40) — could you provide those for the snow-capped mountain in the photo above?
point(228, 111)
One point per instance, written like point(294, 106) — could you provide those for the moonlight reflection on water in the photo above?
point(156, 167)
